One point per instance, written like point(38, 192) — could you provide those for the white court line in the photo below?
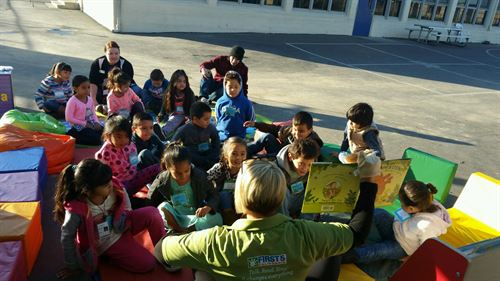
point(442, 69)
point(347, 44)
point(364, 70)
point(471, 94)
point(488, 53)
point(413, 63)
point(456, 57)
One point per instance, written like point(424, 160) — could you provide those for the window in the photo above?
point(339, 5)
point(414, 9)
point(320, 5)
point(496, 20)
point(395, 7)
point(259, 2)
point(428, 9)
point(380, 7)
point(471, 11)
point(325, 5)
point(304, 4)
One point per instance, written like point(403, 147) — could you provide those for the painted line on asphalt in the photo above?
point(364, 70)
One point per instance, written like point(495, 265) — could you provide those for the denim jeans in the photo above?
point(210, 89)
point(386, 248)
point(267, 141)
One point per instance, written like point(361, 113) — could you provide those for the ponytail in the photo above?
point(58, 67)
point(65, 191)
point(420, 195)
point(77, 181)
point(117, 77)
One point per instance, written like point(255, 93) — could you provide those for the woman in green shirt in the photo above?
point(267, 245)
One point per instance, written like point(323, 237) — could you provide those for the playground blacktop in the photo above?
point(441, 99)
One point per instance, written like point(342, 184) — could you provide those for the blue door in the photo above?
point(363, 21)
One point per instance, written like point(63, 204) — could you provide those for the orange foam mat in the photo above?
point(21, 221)
point(110, 272)
point(59, 149)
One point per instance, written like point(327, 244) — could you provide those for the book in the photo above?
point(333, 188)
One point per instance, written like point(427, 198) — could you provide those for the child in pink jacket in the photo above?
point(80, 113)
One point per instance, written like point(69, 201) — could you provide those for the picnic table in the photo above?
point(434, 34)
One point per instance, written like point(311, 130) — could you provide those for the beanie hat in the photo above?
point(237, 52)
point(368, 164)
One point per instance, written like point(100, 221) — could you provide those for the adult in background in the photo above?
point(211, 86)
point(99, 72)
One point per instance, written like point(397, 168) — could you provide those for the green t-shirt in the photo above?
point(273, 248)
point(183, 198)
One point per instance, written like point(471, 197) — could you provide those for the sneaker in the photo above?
point(205, 100)
point(159, 132)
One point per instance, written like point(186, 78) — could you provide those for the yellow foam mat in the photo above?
point(466, 230)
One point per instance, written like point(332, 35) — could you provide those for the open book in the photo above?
point(333, 188)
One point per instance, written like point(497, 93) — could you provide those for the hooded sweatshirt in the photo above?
point(421, 226)
point(296, 185)
point(232, 112)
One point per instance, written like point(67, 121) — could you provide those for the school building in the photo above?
point(375, 18)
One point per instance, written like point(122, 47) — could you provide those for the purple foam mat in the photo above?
point(12, 261)
point(23, 174)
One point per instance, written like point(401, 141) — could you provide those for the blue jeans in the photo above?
point(385, 247)
point(210, 89)
point(137, 90)
point(267, 141)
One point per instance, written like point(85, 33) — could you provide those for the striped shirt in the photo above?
point(50, 89)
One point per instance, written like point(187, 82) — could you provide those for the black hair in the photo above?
point(76, 182)
point(169, 97)
point(58, 67)
point(418, 194)
point(303, 118)
point(156, 75)
point(117, 77)
point(116, 123)
point(360, 113)
point(174, 153)
point(198, 109)
point(306, 148)
point(139, 117)
point(78, 80)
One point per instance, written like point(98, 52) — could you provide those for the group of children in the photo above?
point(191, 180)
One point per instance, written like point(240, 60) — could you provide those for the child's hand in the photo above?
point(206, 72)
point(249, 124)
point(67, 272)
point(201, 212)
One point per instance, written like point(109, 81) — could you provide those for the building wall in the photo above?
point(102, 11)
point(200, 16)
point(219, 16)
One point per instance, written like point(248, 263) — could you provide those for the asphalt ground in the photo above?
point(441, 99)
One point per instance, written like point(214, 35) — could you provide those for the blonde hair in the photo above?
point(260, 188)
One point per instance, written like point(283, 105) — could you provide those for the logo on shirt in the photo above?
point(268, 260)
point(230, 110)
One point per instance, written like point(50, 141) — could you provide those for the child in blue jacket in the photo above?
point(233, 108)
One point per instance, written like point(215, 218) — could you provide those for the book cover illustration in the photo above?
point(333, 188)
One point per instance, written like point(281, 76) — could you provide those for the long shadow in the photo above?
point(31, 67)
point(465, 66)
point(27, 40)
point(338, 123)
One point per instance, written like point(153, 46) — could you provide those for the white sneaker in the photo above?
point(205, 100)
